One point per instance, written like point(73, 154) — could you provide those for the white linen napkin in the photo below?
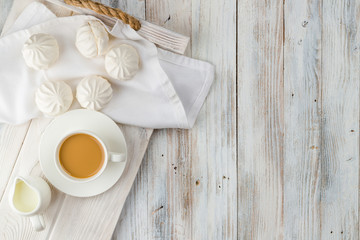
point(167, 92)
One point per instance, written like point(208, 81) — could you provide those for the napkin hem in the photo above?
point(208, 80)
point(179, 111)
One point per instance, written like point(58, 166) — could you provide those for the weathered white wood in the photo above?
point(302, 119)
point(173, 15)
point(260, 119)
point(298, 159)
point(340, 119)
point(11, 140)
point(169, 204)
point(213, 152)
point(186, 187)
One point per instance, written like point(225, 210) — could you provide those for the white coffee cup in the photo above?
point(108, 156)
point(30, 197)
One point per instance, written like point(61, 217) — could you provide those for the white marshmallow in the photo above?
point(40, 51)
point(92, 39)
point(53, 98)
point(122, 62)
point(93, 92)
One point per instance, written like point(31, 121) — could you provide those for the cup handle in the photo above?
point(117, 157)
point(38, 222)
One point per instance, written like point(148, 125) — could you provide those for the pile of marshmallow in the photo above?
point(41, 50)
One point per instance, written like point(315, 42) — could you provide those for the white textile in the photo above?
point(167, 92)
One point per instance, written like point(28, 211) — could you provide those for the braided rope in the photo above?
point(108, 11)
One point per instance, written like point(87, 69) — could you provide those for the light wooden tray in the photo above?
point(67, 217)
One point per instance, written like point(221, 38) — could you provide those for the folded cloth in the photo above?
point(167, 92)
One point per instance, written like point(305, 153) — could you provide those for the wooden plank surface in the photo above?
point(213, 142)
point(340, 120)
point(186, 187)
point(302, 119)
point(260, 119)
point(275, 151)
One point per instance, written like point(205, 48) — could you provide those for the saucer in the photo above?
point(82, 119)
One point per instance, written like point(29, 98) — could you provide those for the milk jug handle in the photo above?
point(38, 222)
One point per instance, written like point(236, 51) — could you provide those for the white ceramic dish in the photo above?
point(76, 120)
point(109, 156)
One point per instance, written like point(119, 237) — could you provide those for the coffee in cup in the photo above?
point(83, 156)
